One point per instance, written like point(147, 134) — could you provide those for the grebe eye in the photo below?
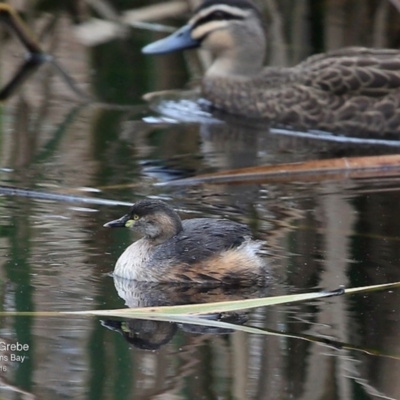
point(136, 217)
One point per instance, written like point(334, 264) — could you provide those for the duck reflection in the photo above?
point(152, 335)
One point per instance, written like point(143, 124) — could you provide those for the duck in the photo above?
point(193, 251)
point(350, 90)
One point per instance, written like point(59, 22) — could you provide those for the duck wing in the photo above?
point(352, 71)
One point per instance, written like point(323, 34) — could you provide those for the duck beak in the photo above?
point(122, 222)
point(179, 40)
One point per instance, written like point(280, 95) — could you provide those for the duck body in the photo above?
point(323, 92)
point(352, 89)
point(199, 250)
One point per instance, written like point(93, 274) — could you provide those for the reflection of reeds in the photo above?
point(26, 70)
point(11, 18)
point(36, 56)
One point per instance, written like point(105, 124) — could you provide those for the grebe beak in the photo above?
point(122, 222)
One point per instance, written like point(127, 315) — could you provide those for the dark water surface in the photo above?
point(55, 255)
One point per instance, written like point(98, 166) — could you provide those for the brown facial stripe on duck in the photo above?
point(212, 19)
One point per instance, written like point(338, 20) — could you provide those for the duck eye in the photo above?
point(218, 15)
point(136, 217)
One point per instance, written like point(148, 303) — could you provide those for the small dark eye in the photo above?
point(136, 217)
point(218, 15)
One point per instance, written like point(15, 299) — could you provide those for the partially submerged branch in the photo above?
point(314, 170)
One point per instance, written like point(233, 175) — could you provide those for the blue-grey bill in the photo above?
point(179, 40)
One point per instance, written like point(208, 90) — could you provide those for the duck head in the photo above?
point(231, 30)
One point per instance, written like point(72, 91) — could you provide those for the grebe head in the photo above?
point(154, 219)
